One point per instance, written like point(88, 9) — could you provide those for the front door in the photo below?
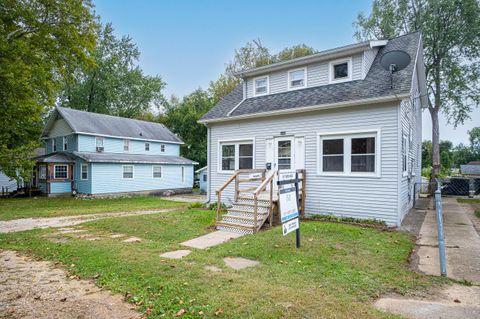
point(284, 153)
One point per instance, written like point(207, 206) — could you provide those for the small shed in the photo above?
point(202, 176)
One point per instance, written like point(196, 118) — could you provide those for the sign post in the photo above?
point(289, 202)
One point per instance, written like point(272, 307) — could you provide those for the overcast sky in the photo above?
point(188, 43)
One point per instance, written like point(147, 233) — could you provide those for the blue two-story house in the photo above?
point(97, 154)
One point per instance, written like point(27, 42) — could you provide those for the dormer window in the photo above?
point(297, 79)
point(341, 70)
point(261, 86)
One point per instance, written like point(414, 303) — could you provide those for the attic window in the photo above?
point(261, 85)
point(341, 70)
point(147, 146)
point(296, 79)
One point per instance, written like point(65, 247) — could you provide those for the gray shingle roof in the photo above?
point(132, 158)
point(58, 157)
point(375, 85)
point(470, 169)
point(101, 124)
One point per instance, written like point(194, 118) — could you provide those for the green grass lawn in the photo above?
point(13, 208)
point(338, 271)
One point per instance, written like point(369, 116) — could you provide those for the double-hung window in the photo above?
point(60, 172)
point(162, 148)
point(54, 145)
point(126, 145)
point(99, 143)
point(147, 147)
point(183, 174)
point(157, 171)
point(65, 143)
point(260, 86)
point(127, 171)
point(297, 79)
point(236, 155)
point(84, 171)
point(349, 154)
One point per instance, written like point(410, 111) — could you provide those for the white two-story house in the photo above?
point(339, 115)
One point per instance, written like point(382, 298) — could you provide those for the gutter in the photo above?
point(395, 97)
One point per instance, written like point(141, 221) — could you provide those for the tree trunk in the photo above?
point(435, 148)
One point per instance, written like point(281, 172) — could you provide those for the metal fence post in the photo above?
point(441, 237)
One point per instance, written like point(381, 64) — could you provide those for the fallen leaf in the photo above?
point(181, 312)
point(219, 312)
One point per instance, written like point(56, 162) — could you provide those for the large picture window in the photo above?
point(61, 172)
point(236, 155)
point(349, 154)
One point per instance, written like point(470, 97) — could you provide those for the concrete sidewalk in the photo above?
point(461, 239)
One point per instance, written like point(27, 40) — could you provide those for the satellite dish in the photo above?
point(394, 61)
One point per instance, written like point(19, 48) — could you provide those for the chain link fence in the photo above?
point(454, 186)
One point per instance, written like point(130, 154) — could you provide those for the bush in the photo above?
point(214, 206)
point(350, 220)
point(196, 205)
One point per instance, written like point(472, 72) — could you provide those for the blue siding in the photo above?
point(108, 178)
point(203, 182)
point(86, 143)
point(60, 187)
point(83, 186)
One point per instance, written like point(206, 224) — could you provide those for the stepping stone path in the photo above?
point(132, 240)
point(238, 263)
point(73, 231)
point(117, 236)
point(177, 254)
point(213, 239)
point(213, 268)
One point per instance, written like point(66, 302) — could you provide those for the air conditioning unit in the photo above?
point(100, 149)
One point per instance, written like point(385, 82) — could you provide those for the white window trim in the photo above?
point(65, 143)
point(331, 65)
point(255, 86)
point(126, 143)
point(98, 138)
point(404, 156)
point(82, 171)
point(347, 136)
point(236, 142)
point(133, 172)
point(290, 88)
point(153, 171)
point(55, 171)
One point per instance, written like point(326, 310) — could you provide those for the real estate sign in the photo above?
point(287, 194)
point(290, 226)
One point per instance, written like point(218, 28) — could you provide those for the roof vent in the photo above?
point(395, 61)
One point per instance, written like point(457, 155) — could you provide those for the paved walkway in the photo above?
point(461, 239)
point(64, 221)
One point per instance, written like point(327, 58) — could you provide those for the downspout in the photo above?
point(209, 167)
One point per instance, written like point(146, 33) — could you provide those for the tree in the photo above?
point(474, 137)
point(451, 38)
point(182, 116)
point(115, 84)
point(39, 41)
point(251, 55)
point(294, 52)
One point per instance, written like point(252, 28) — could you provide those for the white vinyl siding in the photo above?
point(352, 196)
point(317, 74)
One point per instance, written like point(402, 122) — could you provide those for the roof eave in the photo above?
point(321, 56)
point(395, 97)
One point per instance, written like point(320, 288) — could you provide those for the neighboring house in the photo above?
point(8, 185)
point(335, 115)
point(202, 177)
point(99, 154)
point(470, 169)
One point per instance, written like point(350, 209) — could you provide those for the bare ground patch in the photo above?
point(36, 289)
